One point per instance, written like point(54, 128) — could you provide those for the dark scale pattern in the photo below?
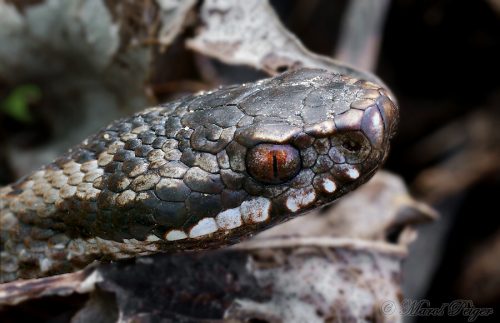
point(175, 177)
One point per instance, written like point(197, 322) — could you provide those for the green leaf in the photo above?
point(17, 103)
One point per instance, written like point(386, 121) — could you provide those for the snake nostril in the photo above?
point(351, 145)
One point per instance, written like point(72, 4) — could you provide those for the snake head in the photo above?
point(248, 157)
point(315, 136)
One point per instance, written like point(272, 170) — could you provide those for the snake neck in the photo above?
point(35, 242)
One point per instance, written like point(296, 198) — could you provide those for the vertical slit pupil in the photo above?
point(275, 165)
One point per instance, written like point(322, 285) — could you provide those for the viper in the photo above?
point(200, 172)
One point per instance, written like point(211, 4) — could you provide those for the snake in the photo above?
point(200, 172)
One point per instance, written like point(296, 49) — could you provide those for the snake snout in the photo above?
point(390, 115)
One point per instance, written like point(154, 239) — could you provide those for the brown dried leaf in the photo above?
point(250, 33)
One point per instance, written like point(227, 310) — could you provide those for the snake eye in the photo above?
point(351, 147)
point(273, 164)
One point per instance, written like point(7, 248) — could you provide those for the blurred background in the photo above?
point(440, 58)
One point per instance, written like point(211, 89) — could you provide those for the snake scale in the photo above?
point(200, 172)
